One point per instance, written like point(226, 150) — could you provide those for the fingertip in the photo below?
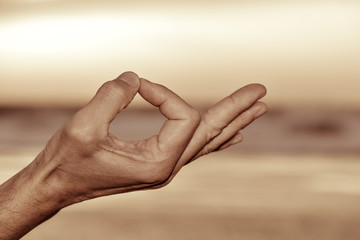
point(262, 105)
point(111, 98)
point(261, 89)
point(261, 109)
point(149, 91)
point(144, 83)
point(237, 139)
point(131, 78)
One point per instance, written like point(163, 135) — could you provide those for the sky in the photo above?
point(57, 53)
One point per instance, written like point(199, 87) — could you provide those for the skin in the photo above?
point(83, 160)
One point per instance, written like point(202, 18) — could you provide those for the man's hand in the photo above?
point(87, 161)
point(83, 160)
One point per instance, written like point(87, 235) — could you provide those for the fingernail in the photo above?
point(130, 78)
point(260, 112)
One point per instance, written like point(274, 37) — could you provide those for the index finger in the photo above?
point(182, 121)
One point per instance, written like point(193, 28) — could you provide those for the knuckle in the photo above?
point(211, 129)
point(194, 117)
point(113, 89)
point(108, 85)
point(206, 150)
point(78, 133)
point(232, 99)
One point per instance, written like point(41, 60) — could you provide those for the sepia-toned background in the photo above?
point(295, 176)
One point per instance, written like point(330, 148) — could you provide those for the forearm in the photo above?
point(25, 202)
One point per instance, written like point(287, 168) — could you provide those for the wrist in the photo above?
point(26, 200)
point(46, 181)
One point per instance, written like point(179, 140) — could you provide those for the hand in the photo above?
point(83, 160)
point(220, 125)
point(88, 162)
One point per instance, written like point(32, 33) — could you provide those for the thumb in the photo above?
point(110, 99)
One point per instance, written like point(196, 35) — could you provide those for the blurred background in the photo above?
point(295, 176)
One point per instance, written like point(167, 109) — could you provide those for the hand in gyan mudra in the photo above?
point(87, 161)
point(83, 160)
